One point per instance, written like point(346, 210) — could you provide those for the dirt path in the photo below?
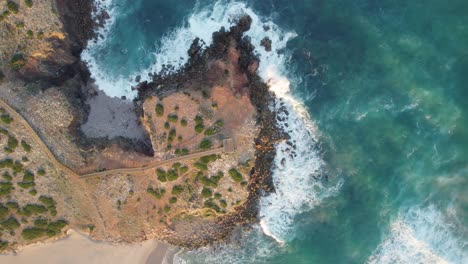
point(18, 118)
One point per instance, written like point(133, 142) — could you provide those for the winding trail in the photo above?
point(17, 117)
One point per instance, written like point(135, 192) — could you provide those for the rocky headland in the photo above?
point(198, 169)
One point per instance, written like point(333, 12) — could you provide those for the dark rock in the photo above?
point(266, 43)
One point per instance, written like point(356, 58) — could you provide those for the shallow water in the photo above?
point(378, 90)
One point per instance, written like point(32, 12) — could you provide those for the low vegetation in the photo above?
point(156, 192)
point(235, 175)
point(17, 61)
point(205, 144)
point(159, 109)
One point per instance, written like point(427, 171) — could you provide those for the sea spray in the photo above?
point(421, 235)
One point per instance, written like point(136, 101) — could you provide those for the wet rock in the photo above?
point(266, 43)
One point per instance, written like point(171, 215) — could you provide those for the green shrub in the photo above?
point(172, 118)
point(26, 185)
point(40, 35)
point(208, 182)
point(49, 203)
point(29, 3)
point(159, 109)
point(167, 125)
point(24, 159)
point(179, 138)
point(200, 166)
point(20, 24)
point(12, 205)
point(41, 222)
point(235, 175)
point(158, 193)
point(2, 76)
point(199, 128)
point(219, 123)
point(6, 118)
point(3, 131)
point(10, 224)
point(25, 146)
point(177, 189)
point(28, 176)
point(206, 192)
point(161, 175)
point(3, 211)
point(183, 170)
point(3, 244)
point(33, 209)
point(7, 176)
point(33, 192)
point(172, 175)
point(171, 136)
point(212, 204)
point(5, 188)
point(183, 122)
point(198, 120)
point(223, 203)
point(184, 151)
point(30, 34)
point(218, 195)
point(205, 144)
point(210, 131)
point(17, 61)
point(32, 233)
point(167, 208)
point(41, 171)
point(13, 7)
point(173, 200)
point(209, 158)
point(176, 166)
point(57, 226)
point(12, 142)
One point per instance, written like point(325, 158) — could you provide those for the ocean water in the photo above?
point(378, 96)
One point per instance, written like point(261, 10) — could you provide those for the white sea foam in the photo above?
point(298, 167)
point(421, 236)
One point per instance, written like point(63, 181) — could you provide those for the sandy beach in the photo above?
point(79, 248)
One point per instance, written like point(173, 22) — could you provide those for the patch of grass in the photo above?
point(161, 175)
point(206, 193)
point(159, 109)
point(25, 146)
point(205, 144)
point(172, 118)
point(177, 189)
point(235, 175)
point(173, 200)
point(156, 192)
point(13, 7)
point(17, 61)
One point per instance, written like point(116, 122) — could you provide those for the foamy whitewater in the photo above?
point(421, 235)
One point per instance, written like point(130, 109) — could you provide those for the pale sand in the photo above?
point(78, 248)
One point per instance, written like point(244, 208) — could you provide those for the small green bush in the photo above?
point(206, 192)
point(20, 24)
point(200, 166)
point(57, 226)
point(6, 118)
point(12, 142)
point(210, 131)
point(212, 204)
point(10, 223)
point(17, 61)
point(183, 170)
point(205, 144)
point(218, 195)
point(177, 189)
point(49, 203)
point(41, 171)
point(7, 176)
point(25, 146)
point(171, 136)
point(161, 175)
point(30, 34)
point(12, 205)
point(159, 109)
point(5, 188)
point(177, 165)
point(183, 122)
point(3, 244)
point(172, 118)
point(173, 200)
point(199, 128)
point(28, 176)
point(3, 211)
point(40, 35)
point(29, 3)
point(167, 125)
point(13, 7)
point(33, 209)
point(41, 222)
point(33, 192)
point(235, 175)
point(32, 233)
point(223, 203)
point(209, 158)
point(158, 193)
point(198, 120)
point(172, 175)
point(167, 208)
point(184, 151)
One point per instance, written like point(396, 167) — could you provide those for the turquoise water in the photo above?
point(385, 83)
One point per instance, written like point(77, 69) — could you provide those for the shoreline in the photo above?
point(77, 247)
